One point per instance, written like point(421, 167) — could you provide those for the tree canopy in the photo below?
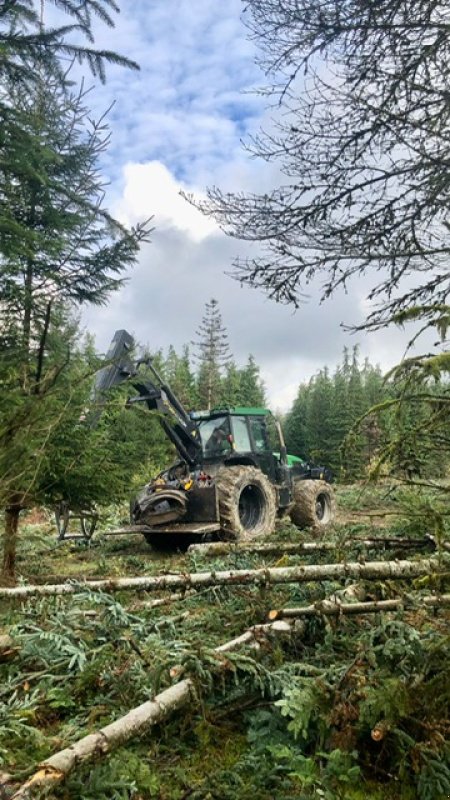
point(361, 136)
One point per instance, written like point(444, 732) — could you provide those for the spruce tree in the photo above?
point(58, 245)
point(296, 426)
point(231, 386)
point(251, 390)
point(178, 373)
point(213, 353)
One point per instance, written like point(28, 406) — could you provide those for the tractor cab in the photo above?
point(241, 435)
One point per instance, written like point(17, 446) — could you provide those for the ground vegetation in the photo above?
point(349, 706)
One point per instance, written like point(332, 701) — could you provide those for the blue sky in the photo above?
point(191, 103)
point(179, 124)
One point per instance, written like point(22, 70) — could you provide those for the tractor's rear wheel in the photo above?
point(247, 506)
point(314, 505)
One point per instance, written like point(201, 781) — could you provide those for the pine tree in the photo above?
point(213, 353)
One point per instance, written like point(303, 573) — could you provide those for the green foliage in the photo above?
point(125, 777)
point(59, 246)
point(291, 719)
point(212, 354)
point(324, 414)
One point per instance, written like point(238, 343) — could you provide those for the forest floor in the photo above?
point(295, 719)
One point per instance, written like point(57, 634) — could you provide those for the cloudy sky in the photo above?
point(179, 124)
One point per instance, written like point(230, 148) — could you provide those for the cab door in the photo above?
point(261, 446)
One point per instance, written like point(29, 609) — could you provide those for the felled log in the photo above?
point(136, 722)
point(213, 549)
point(371, 570)
point(330, 609)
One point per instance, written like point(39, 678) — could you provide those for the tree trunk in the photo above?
point(328, 608)
point(12, 513)
point(213, 549)
point(371, 570)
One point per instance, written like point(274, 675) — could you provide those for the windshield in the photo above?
point(214, 434)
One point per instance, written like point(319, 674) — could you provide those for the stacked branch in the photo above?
point(136, 722)
point(371, 570)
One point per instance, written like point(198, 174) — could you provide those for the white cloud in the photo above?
point(179, 124)
point(185, 265)
point(150, 189)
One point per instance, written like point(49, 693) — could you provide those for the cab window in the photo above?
point(214, 434)
point(241, 436)
point(259, 434)
point(273, 437)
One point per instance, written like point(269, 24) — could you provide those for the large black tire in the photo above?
point(314, 505)
point(247, 506)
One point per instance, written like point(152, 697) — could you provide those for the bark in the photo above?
point(212, 549)
point(42, 345)
point(162, 601)
point(7, 647)
point(330, 608)
point(137, 722)
point(12, 514)
point(371, 570)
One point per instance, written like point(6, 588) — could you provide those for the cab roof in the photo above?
point(250, 411)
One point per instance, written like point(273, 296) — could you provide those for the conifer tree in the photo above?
point(213, 353)
point(296, 426)
point(322, 422)
point(251, 390)
point(231, 386)
point(178, 372)
point(57, 246)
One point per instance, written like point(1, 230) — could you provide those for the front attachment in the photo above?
point(158, 507)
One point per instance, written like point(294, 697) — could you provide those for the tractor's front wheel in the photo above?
point(247, 505)
point(314, 504)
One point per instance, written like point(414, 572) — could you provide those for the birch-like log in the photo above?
point(330, 609)
point(371, 570)
point(137, 722)
point(213, 549)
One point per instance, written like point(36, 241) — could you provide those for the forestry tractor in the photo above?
point(233, 477)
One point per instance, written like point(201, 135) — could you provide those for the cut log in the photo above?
point(213, 549)
point(137, 722)
point(371, 570)
point(330, 608)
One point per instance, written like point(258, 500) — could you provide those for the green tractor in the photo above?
point(233, 477)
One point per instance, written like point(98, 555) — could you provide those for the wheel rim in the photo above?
point(322, 508)
point(251, 506)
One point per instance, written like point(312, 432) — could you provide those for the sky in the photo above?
point(180, 124)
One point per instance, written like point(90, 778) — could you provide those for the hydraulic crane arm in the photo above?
point(157, 395)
